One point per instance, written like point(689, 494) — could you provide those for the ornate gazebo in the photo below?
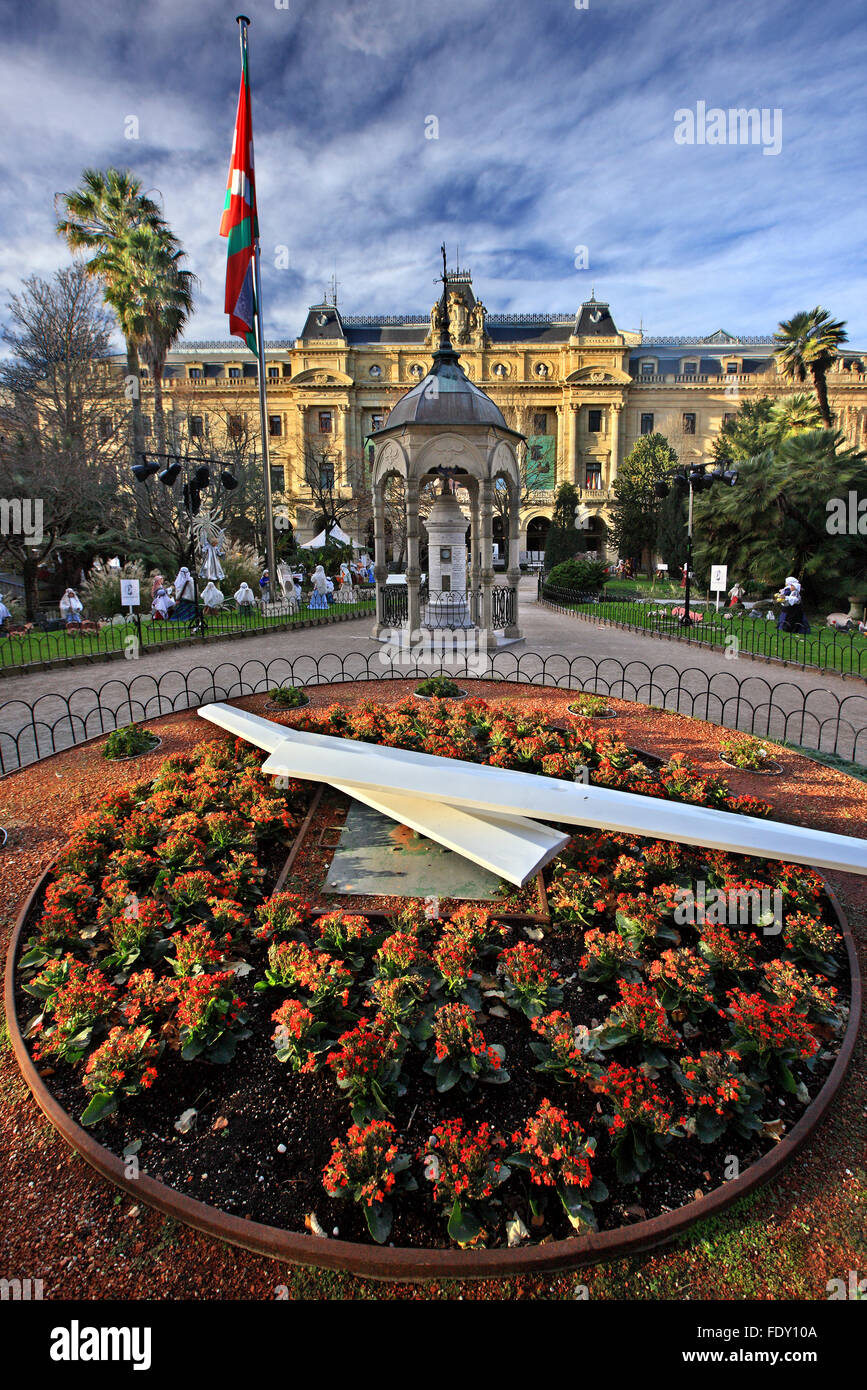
point(446, 428)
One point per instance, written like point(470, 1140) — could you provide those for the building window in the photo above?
point(195, 373)
point(275, 426)
point(236, 426)
point(325, 422)
point(689, 369)
point(593, 475)
point(273, 373)
point(146, 425)
point(729, 415)
point(326, 476)
point(104, 427)
point(197, 428)
point(377, 422)
point(278, 482)
point(646, 424)
point(234, 373)
point(594, 421)
point(731, 368)
point(688, 422)
point(648, 369)
point(540, 424)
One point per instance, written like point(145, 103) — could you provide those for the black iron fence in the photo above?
point(754, 632)
point(817, 719)
point(48, 644)
point(449, 609)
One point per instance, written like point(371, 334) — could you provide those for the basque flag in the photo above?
point(240, 223)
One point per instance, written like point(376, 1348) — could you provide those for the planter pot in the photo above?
point(772, 769)
point(128, 757)
point(286, 709)
point(604, 714)
point(461, 695)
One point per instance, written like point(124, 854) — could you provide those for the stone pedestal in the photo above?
point(446, 528)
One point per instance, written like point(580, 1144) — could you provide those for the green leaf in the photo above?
point(463, 1226)
point(379, 1217)
point(447, 1076)
point(101, 1104)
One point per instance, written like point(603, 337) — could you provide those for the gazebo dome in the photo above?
point(446, 396)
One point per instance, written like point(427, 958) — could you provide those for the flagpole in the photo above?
point(270, 563)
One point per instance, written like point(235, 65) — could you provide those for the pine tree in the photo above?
point(564, 540)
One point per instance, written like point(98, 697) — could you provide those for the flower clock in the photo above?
point(418, 1078)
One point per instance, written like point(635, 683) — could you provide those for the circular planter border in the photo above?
point(461, 695)
point(773, 771)
point(128, 757)
point(406, 1263)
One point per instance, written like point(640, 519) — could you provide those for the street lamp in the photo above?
point(695, 479)
point(197, 476)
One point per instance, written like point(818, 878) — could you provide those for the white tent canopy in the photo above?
point(335, 534)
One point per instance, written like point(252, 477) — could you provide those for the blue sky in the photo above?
point(556, 130)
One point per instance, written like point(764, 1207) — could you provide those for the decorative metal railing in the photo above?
point(813, 718)
point(49, 644)
point(755, 633)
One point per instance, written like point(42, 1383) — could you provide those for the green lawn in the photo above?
point(822, 647)
point(38, 647)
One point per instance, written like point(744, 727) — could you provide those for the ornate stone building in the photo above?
point(578, 387)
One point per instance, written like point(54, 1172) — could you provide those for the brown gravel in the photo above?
point(63, 1224)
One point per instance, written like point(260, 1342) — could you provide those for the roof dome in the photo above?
point(446, 396)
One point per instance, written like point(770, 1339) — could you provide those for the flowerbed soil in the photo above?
point(68, 1226)
point(238, 1167)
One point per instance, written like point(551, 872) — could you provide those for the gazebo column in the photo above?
point(475, 546)
point(513, 574)
point(413, 570)
point(486, 514)
point(380, 567)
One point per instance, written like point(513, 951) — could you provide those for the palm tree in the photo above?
point(808, 345)
point(792, 415)
point(164, 291)
point(101, 215)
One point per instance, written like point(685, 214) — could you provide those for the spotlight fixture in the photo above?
point(202, 476)
point(169, 476)
point(143, 471)
point(229, 482)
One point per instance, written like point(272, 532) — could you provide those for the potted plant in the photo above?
point(439, 688)
point(287, 697)
point(132, 741)
point(591, 706)
point(748, 754)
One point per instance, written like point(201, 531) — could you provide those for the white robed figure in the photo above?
point(161, 604)
point(245, 598)
point(212, 539)
point(185, 596)
point(4, 612)
point(319, 596)
point(286, 580)
point(345, 593)
point(71, 608)
point(212, 598)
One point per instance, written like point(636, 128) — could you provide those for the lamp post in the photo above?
point(695, 479)
point(196, 473)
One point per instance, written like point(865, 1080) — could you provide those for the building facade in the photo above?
point(580, 389)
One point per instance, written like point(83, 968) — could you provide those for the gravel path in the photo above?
point(70, 704)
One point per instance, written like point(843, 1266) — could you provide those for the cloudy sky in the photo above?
point(555, 131)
